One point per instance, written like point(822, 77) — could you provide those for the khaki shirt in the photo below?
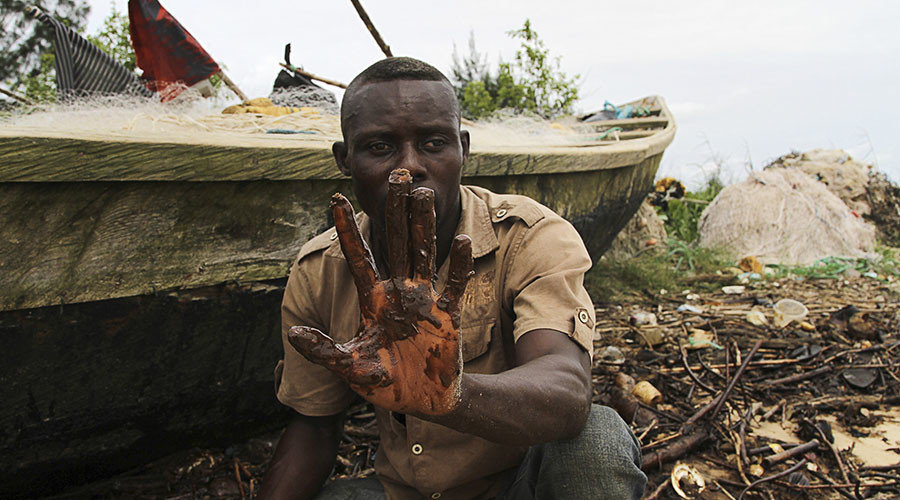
point(529, 270)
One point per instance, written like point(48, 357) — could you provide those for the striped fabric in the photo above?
point(83, 69)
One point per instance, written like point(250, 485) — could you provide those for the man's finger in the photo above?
point(396, 218)
point(357, 253)
point(320, 349)
point(461, 268)
point(422, 226)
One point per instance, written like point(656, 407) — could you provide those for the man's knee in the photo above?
point(605, 457)
point(605, 437)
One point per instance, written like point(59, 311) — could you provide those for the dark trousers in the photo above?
point(604, 461)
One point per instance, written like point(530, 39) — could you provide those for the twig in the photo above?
point(736, 377)
point(690, 372)
point(647, 430)
point(233, 86)
point(659, 490)
point(846, 494)
point(837, 456)
point(793, 452)
point(675, 450)
point(800, 376)
point(311, 76)
point(23, 100)
point(772, 477)
point(237, 477)
point(368, 22)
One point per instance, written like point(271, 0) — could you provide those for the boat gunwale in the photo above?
point(101, 160)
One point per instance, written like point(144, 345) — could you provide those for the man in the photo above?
point(480, 394)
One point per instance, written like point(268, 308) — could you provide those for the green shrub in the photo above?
point(532, 82)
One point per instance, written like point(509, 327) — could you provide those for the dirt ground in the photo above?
point(829, 381)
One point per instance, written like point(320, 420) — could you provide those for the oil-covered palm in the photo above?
point(406, 356)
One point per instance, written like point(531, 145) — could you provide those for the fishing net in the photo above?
point(190, 119)
point(784, 216)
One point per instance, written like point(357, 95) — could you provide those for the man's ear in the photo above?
point(464, 139)
point(339, 150)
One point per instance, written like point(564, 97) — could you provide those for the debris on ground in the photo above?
point(760, 411)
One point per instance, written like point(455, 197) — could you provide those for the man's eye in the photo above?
point(379, 147)
point(435, 143)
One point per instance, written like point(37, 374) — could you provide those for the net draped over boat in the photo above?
point(83, 69)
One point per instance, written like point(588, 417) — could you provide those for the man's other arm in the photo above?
point(304, 458)
point(546, 397)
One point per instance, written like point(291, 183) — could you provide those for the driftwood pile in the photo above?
point(752, 411)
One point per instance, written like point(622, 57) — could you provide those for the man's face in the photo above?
point(409, 124)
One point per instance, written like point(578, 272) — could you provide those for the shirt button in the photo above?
point(436, 495)
point(333, 236)
point(583, 316)
point(501, 212)
point(417, 449)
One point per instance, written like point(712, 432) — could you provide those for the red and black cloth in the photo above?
point(166, 52)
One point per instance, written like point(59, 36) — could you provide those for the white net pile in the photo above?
point(784, 216)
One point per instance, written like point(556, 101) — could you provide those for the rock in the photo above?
point(641, 318)
point(757, 318)
point(224, 487)
point(644, 231)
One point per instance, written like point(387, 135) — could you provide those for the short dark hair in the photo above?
point(391, 69)
point(398, 68)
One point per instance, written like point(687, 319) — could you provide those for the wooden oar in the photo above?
point(311, 76)
point(368, 22)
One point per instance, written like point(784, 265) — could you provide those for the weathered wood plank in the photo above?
point(51, 159)
point(76, 242)
point(645, 121)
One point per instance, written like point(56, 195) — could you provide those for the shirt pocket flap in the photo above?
point(475, 339)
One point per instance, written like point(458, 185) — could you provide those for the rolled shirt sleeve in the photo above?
point(545, 280)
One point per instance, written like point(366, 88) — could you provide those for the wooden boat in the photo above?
point(140, 282)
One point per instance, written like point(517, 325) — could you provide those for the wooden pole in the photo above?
point(368, 22)
point(19, 98)
point(233, 86)
point(312, 76)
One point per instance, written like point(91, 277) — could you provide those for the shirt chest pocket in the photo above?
point(476, 339)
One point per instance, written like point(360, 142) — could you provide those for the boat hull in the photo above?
point(140, 293)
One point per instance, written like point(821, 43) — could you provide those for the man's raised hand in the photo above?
point(406, 356)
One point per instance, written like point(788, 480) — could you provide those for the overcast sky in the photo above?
point(747, 81)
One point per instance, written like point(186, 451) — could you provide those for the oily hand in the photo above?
point(406, 356)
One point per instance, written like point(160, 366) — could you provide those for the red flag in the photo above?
point(165, 50)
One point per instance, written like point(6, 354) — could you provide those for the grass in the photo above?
point(886, 264)
point(690, 267)
point(683, 264)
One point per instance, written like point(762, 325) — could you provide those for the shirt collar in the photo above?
point(475, 221)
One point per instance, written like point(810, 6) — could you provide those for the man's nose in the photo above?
point(412, 161)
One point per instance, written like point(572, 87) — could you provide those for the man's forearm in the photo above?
point(544, 400)
point(303, 459)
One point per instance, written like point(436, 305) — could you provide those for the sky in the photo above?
point(746, 81)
